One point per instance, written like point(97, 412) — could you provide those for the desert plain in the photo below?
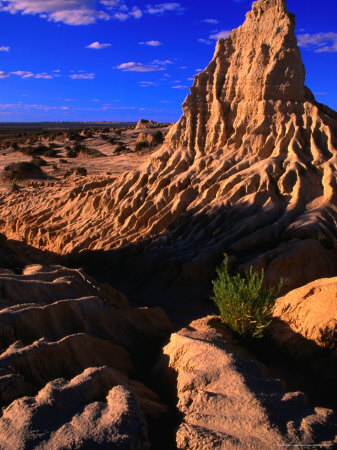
point(110, 238)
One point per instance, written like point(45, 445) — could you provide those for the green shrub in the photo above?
point(245, 304)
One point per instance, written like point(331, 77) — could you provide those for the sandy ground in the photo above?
point(111, 164)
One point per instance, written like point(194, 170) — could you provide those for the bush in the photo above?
point(50, 153)
point(120, 148)
point(38, 161)
point(71, 153)
point(81, 171)
point(15, 187)
point(245, 305)
point(158, 138)
point(22, 170)
point(141, 145)
point(41, 149)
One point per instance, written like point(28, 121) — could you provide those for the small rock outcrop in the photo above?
point(305, 328)
point(312, 311)
point(144, 124)
point(227, 403)
point(71, 351)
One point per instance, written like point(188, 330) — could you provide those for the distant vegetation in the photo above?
point(22, 170)
point(81, 171)
point(142, 144)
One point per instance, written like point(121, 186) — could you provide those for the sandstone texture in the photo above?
point(71, 352)
point(249, 169)
point(227, 403)
point(305, 328)
point(312, 311)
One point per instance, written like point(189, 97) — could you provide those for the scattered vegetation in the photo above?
point(38, 161)
point(158, 138)
point(73, 136)
point(22, 170)
point(120, 148)
point(81, 171)
point(50, 153)
point(71, 153)
point(15, 187)
point(142, 144)
point(245, 304)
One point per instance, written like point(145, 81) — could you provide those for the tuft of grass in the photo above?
point(15, 187)
point(245, 304)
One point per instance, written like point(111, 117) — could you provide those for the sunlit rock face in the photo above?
point(249, 169)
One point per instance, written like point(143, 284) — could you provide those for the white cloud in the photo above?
point(43, 76)
point(180, 86)
point(3, 74)
point(147, 83)
point(162, 62)
point(136, 13)
point(319, 42)
point(70, 12)
point(121, 16)
point(98, 46)
point(205, 41)
point(84, 12)
point(164, 7)
point(139, 67)
point(82, 76)
point(28, 74)
point(220, 35)
point(23, 74)
point(151, 43)
point(4, 48)
point(212, 21)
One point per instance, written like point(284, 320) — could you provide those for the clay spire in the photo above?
point(259, 61)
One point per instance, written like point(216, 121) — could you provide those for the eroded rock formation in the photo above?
point(305, 328)
point(58, 324)
point(226, 401)
point(249, 169)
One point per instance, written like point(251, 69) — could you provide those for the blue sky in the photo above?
point(120, 60)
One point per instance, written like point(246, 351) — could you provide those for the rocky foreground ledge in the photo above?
point(73, 354)
point(226, 402)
